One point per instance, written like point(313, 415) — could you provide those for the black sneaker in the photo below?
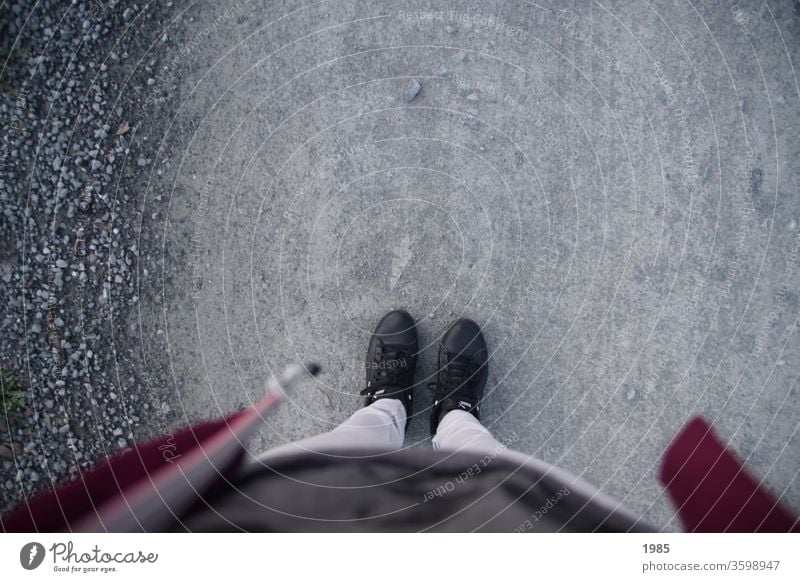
point(391, 359)
point(463, 368)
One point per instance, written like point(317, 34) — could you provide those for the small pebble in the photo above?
point(459, 57)
point(412, 90)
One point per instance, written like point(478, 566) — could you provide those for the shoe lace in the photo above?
point(459, 374)
point(391, 362)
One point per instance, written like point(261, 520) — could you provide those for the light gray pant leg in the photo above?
point(460, 431)
point(380, 426)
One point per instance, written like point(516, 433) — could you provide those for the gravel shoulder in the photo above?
point(78, 108)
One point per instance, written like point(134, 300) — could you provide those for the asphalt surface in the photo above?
point(609, 189)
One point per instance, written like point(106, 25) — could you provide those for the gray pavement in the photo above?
point(610, 189)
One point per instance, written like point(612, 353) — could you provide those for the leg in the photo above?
point(458, 391)
point(455, 418)
point(459, 430)
point(459, 386)
point(382, 425)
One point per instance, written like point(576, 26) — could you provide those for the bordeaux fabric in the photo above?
point(712, 490)
point(55, 509)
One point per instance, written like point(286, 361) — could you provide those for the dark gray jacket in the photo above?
point(414, 489)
